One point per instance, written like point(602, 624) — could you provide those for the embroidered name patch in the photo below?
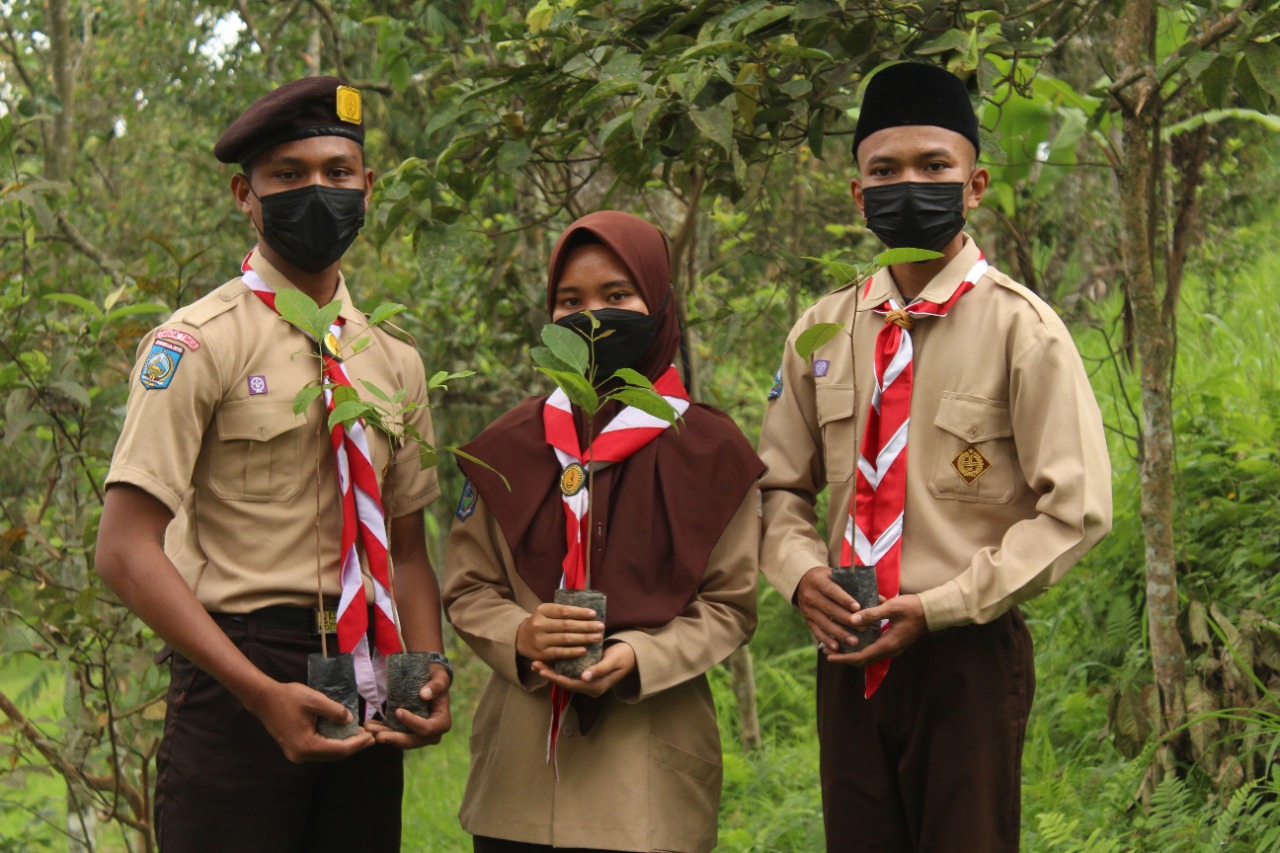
point(776, 391)
point(160, 365)
point(467, 503)
point(970, 464)
point(821, 366)
point(178, 336)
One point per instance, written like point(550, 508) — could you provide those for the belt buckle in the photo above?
point(324, 621)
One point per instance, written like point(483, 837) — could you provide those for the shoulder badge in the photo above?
point(467, 503)
point(776, 391)
point(160, 365)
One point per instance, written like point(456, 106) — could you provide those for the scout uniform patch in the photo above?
point(178, 336)
point(821, 366)
point(572, 479)
point(257, 385)
point(160, 365)
point(776, 391)
point(970, 464)
point(467, 503)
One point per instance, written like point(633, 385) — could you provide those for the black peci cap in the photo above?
point(914, 93)
point(312, 106)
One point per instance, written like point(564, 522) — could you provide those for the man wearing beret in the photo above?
point(239, 530)
point(952, 422)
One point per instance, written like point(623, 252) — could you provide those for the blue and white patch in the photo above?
point(160, 365)
point(821, 366)
point(776, 391)
point(467, 503)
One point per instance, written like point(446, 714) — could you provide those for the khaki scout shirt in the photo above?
point(216, 441)
point(999, 373)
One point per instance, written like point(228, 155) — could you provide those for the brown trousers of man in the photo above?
point(933, 760)
point(223, 784)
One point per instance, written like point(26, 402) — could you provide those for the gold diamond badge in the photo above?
point(970, 464)
point(349, 104)
point(572, 480)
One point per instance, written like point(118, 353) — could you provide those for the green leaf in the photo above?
point(375, 391)
point(73, 390)
point(348, 411)
point(326, 316)
point(764, 18)
point(384, 312)
point(1264, 62)
point(712, 48)
point(301, 311)
point(513, 155)
point(576, 387)
point(890, 257)
point(814, 337)
point(633, 377)
point(842, 271)
point(716, 123)
point(795, 51)
point(568, 346)
point(611, 127)
point(135, 310)
point(440, 377)
point(608, 89)
point(544, 357)
point(76, 300)
point(305, 397)
point(649, 402)
point(948, 41)
point(485, 465)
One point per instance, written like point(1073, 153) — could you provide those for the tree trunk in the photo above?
point(1154, 334)
point(741, 665)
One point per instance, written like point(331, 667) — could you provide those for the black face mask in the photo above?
point(633, 334)
point(915, 215)
point(311, 227)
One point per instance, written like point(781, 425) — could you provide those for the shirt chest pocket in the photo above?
point(834, 404)
point(974, 458)
point(258, 455)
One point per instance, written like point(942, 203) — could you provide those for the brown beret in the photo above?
point(312, 106)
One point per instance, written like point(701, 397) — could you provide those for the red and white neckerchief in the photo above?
point(363, 518)
point(628, 431)
point(873, 536)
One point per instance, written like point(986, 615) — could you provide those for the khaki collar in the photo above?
point(939, 289)
point(278, 281)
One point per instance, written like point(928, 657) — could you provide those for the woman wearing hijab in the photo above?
point(634, 761)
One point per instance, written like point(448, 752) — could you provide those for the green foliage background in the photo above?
point(492, 125)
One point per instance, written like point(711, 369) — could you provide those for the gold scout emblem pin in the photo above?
point(331, 346)
point(970, 464)
point(572, 480)
point(348, 106)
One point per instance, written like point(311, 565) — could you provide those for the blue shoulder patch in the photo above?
point(776, 391)
point(467, 503)
point(160, 365)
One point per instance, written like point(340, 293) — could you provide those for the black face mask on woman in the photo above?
point(915, 215)
point(633, 334)
point(311, 227)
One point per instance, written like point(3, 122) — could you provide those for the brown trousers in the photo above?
point(933, 761)
point(223, 783)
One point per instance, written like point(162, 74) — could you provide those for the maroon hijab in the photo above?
point(658, 515)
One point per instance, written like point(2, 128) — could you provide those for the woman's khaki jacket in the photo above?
point(647, 775)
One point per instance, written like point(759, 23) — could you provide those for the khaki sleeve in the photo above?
point(791, 447)
point(415, 486)
point(1062, 449)
point(165, 425)
point(478, 595)
point(721, 617)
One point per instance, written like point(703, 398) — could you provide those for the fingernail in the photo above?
point(594, 614)
point(599, 626)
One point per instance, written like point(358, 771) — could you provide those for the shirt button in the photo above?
point(973, 431)
point(567, 730)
